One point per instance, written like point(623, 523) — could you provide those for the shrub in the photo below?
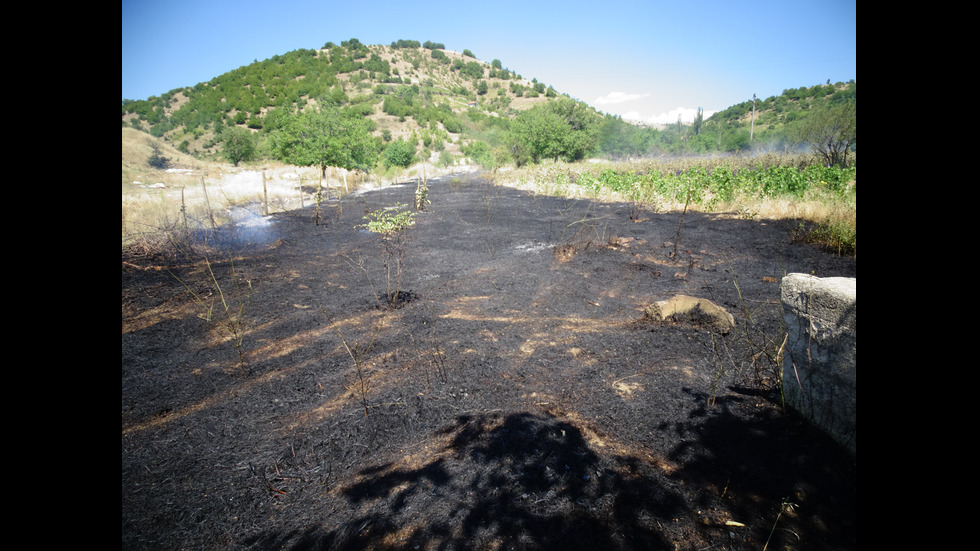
point(445, 158)
point(398, 153)
point(157, 160)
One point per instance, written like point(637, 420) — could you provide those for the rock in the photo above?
point(692, 310)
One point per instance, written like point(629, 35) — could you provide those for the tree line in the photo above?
point(559, 130)
point(822, 119)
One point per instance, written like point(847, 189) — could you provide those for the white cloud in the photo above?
point(618, 97)
point(686, 115)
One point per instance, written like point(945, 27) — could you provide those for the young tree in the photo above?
point(239, 144)
point(391, 224)
point(325, 137)
point(157, 160)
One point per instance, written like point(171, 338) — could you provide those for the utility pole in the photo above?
point(752, 124)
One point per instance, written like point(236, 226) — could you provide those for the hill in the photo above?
point(777, 112)
point(442, 101)
point(403, 89)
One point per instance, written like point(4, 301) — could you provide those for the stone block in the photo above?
point(819, 361)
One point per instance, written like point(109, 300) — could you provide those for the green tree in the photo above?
point(472, 69)
point(157, 160)
point(239, 144)
point(618, 138)
point(399, 153)
point(702, 143)
point(535, 134)
point(488, 157)
point(562, 129)
point(735, 140)
point(698, 121)
point(831, 131)
point(402, 43)
point(325, 137)
point(391, 224)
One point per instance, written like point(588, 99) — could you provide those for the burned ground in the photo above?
point(515, 399)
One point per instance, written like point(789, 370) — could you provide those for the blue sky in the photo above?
point(644, 60)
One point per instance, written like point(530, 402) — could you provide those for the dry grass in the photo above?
point(159, 207)
point(198, 199)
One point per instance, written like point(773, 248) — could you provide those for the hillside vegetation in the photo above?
point(404, 90)
point(444, 102)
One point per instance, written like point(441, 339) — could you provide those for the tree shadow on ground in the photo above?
point(791, 484)
point(534, 481)
point(515, 481)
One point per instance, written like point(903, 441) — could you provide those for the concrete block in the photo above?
point(819, 362)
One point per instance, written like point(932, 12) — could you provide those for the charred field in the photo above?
point(514, 398)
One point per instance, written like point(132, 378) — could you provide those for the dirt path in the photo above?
point(518, 400)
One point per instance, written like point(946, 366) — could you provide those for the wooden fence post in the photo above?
point(207, 202)
point(265, 192)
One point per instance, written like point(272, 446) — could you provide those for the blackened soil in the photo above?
point(515, 398)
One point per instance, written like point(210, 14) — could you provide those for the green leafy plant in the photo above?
point(831, 131)
point(389, 221)
point(561, 130)
point(391, 224)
